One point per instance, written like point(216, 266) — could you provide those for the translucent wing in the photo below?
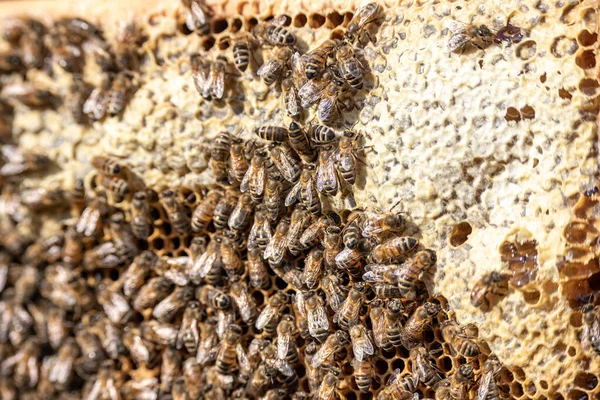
point(243, 361)
point(326, 177)
point(362, 346)
point(484, 385)
point(207, 351)
point(88, 221)
point(275, 250)
point(283, 345)
point(265, 316)
point(218, 83)
point(11, 169)
point(246, 179)
point(198, 15)
point(287, 165)
point(291, 101)
point(364, 15)
point(455, 26)
point(257, 181)
point(326, 107)
point(268, 68)
point(178, 270)
point(311, 92)
point(322, 354)
point(299, 299)
point(206, 262)
point(317, 320)
point(292, 196)
point(283, 367)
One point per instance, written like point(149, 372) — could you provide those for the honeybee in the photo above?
point(332, 241)
point(154, 291)
point(129, 39)
point(306, 191)
point(364, 17)
point(242, 51)
point(464, 35)
point(291, 102)
point(269, 316)
point(280, 371)
point(175, 212)
point(96, 48)
point(92, 354)
point(350, 67)
point(313, 267)
point(286, 345)
point(327, 389)
point(61, 365)
point(347, 157)
point(423, 368)
point(260, 233)
point(349, 311)
point(96, 104)
point(488, 289)
point(142, 352)
point(188, 335)
point(393, 249)
point(200, 74)
point(299, 309)
point(104, 256)
point(351, 235)
point(40, 199)
point(379, 224)
point(273, 194)
point(209, 264)
point(240, 217)
point(276, 248)
point(316, 313)
point(170, 305)
point(418, 323)
point(458, 341)
point(207, 347)
point(329, 105)
point(327, 180)
point(192, 376)
point(271, 133)
point(393, 325)
point(299, 141)
point(488, 387)
point(115, 185)
point(170, 369)
point(275, 33)
point(110, 337)
point(30, 96)
point(160, 333)
point(230, 256)
point(209, 78)
point(224, 208)
point(115, 306)
point(334, 343)
point(18, 162)
point(254, 179)
point(219, 154)
point(77, 30)
point(105, 385)
point(226, 361)
point(237, 159)
point(259, 381)
point(274, 68)
point(361, 343)
point(213, 297)
point(196, 19)
point(412, 269)
point(335, 293)
point(79, 91)
point(314, 233)
point(316, 59)
point(257, 272)
point(352, 260)
point(461, 382)
point(141, 224)
point(399, 387)
point(118, 94)
point(321, 135)
point(244, 302)
point(286, 163)
point(363, 372)
point(299, 221)
point(590, 334)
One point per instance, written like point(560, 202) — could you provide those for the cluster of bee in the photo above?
point(68, 45)
point(272, 294)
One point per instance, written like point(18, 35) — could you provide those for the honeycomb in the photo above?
point(468, 146)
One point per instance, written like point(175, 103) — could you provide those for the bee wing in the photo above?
point(218, 83)
point(268, 68)
point(291, 101)
point(246, 179)
point(456, 42)
point(283, 345)
point(199, 17)
point(351, 67)
point(283, 367)
point(321, 355)
point(11, 169)
point(317, 320)
point(279, 21)
point(299, 299)
point(326, 107)
point(310, 93)
point(205, 263)
point(265, 316)
point(455, 26)
point(361, 347)
point(292, 196)
point(372, 277)
point(287, 165)
point(275, 250)
point(484, 385)
point(257, 181)
point(364, 14)
point(326, 175)
point(342, 255)
point(243, 360)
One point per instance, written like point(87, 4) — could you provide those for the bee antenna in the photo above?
point(395, 205)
